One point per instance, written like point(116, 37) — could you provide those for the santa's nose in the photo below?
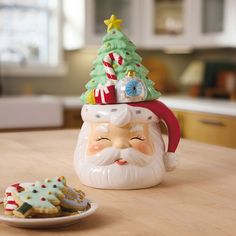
point(121, 143)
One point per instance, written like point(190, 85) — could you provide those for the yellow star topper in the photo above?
point(113, 22)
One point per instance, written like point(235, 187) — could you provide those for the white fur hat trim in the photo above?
point(170, 161)
point(117, 114)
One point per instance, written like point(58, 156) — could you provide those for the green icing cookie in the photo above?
point(43, 194)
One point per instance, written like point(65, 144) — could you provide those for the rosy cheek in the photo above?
point(94, 149)
point(144, 148)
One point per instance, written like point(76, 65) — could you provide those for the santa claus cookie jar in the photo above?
point(120, 144)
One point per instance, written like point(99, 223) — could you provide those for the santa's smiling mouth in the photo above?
point(121, 162)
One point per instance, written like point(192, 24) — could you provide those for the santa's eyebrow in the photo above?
point(135, 128)
point(102, 128)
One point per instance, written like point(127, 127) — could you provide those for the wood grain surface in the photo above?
point(196, 199)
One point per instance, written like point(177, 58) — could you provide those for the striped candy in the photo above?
point(107, 62)
point(9, 202)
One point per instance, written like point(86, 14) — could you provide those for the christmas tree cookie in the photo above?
point(118, 75)
point(48, 198)
point(40, 198)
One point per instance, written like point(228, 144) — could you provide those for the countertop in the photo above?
point(196, 199)
point(204, 105)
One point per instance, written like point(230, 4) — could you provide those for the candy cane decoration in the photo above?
point(10, 204)
point(107, 62)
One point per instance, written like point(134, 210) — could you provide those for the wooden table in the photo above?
point(199, 198)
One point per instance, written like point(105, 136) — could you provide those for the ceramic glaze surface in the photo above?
point(119, 147)
point(120, 144)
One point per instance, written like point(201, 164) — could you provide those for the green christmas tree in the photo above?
point(117, 43)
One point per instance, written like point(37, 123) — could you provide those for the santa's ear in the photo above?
point(170, 160)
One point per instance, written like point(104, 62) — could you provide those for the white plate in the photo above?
point(46, 222)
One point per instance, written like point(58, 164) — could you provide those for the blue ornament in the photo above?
point(133, 88)
point(130, 89)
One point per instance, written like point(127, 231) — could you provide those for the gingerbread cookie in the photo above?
point(74, 200)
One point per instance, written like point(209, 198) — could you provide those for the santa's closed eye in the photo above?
point(137, 138)
point(102, 138)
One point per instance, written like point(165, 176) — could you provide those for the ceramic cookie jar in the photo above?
point(120, 145)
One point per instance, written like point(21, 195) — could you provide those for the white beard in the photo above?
point(101, 171)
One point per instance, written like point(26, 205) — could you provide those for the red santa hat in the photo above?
point(147, 111)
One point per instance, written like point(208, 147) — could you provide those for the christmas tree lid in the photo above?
point(117, 74)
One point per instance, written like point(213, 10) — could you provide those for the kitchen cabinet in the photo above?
point(150, 24)
point(209, 128)
point(214, 24)
point(189, 24)
point(166, 23)
point(72, 118)
point(98, 11)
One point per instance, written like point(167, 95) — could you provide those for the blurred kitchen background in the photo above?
point(47, 48)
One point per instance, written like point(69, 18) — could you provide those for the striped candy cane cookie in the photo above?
point(108, 61)
point(9, 202)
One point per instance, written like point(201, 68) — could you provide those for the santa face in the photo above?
point(120, 157)
point(104, 135)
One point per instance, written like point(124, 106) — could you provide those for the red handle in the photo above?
point(165, 114)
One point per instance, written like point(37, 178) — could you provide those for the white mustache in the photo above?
point(109, 155)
